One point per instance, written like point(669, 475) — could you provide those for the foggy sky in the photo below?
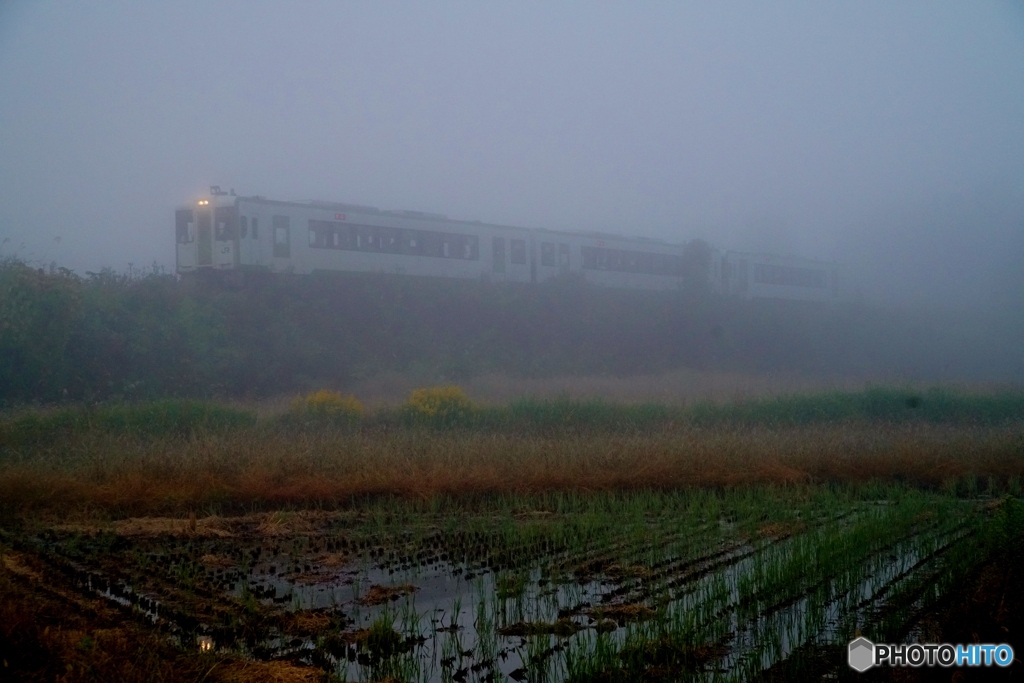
point(888, 136)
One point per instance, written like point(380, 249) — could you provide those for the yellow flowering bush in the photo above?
point(328, 404)
point(440, 404)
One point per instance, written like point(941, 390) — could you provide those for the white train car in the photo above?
point(229, 233)
point(224, 232)
point(752, 275)
point(232, 234)
point(609, 260)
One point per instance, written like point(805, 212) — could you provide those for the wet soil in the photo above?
point(49, 631)
point(280, 598)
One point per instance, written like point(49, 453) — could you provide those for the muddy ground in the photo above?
point(53, 628)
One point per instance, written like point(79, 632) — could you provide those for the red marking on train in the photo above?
point(340, 216)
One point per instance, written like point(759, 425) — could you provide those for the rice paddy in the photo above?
point(555, 540)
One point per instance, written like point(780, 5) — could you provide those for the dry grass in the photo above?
point(244, 469)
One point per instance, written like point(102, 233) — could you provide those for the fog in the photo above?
point(887, 136)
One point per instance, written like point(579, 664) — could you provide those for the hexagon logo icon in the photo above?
point(861, 654)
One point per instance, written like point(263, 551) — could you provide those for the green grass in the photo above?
point(182, 417)
point(887, 405)
point(892, 405)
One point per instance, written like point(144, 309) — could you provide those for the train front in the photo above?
point(207, 233)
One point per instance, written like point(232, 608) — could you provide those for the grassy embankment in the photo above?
point(174, 456)
point(146, 336)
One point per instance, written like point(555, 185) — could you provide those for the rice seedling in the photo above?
point(545, 540)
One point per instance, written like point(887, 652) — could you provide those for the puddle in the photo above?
point(423, 610)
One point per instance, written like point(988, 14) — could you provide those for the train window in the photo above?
point(499, 254)
point(428, 243)
point(255, 228)
point(282, 237)
point(517, 253)
point(547, 253)
point(624, 261)
point(334, 235)
point(224, 223)
point(244, 230)
point(184, 223)
point(389, 240)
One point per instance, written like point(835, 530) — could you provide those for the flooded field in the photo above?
point(543, 540)
point(561, 587)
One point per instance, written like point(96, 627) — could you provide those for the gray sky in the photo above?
point(887, 135)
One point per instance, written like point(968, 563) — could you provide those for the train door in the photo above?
point(225, 235)
point(185, 233)
point(282, 237)
point(256, 241)
point(533, 259)
point(204, 238)
point(563, 258)
point(244, 241)
point(499, 255)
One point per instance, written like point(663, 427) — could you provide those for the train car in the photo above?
point(611, 260)
point(226, 233)
point(752, 275)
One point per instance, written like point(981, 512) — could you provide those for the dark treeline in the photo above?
point(65, 337)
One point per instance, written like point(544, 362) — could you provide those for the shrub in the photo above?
point(328, 406)
point(440, 405)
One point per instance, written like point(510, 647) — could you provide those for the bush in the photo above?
point(442, 406)
point(327, 406)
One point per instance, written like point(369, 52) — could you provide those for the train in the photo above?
point(231, 234)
